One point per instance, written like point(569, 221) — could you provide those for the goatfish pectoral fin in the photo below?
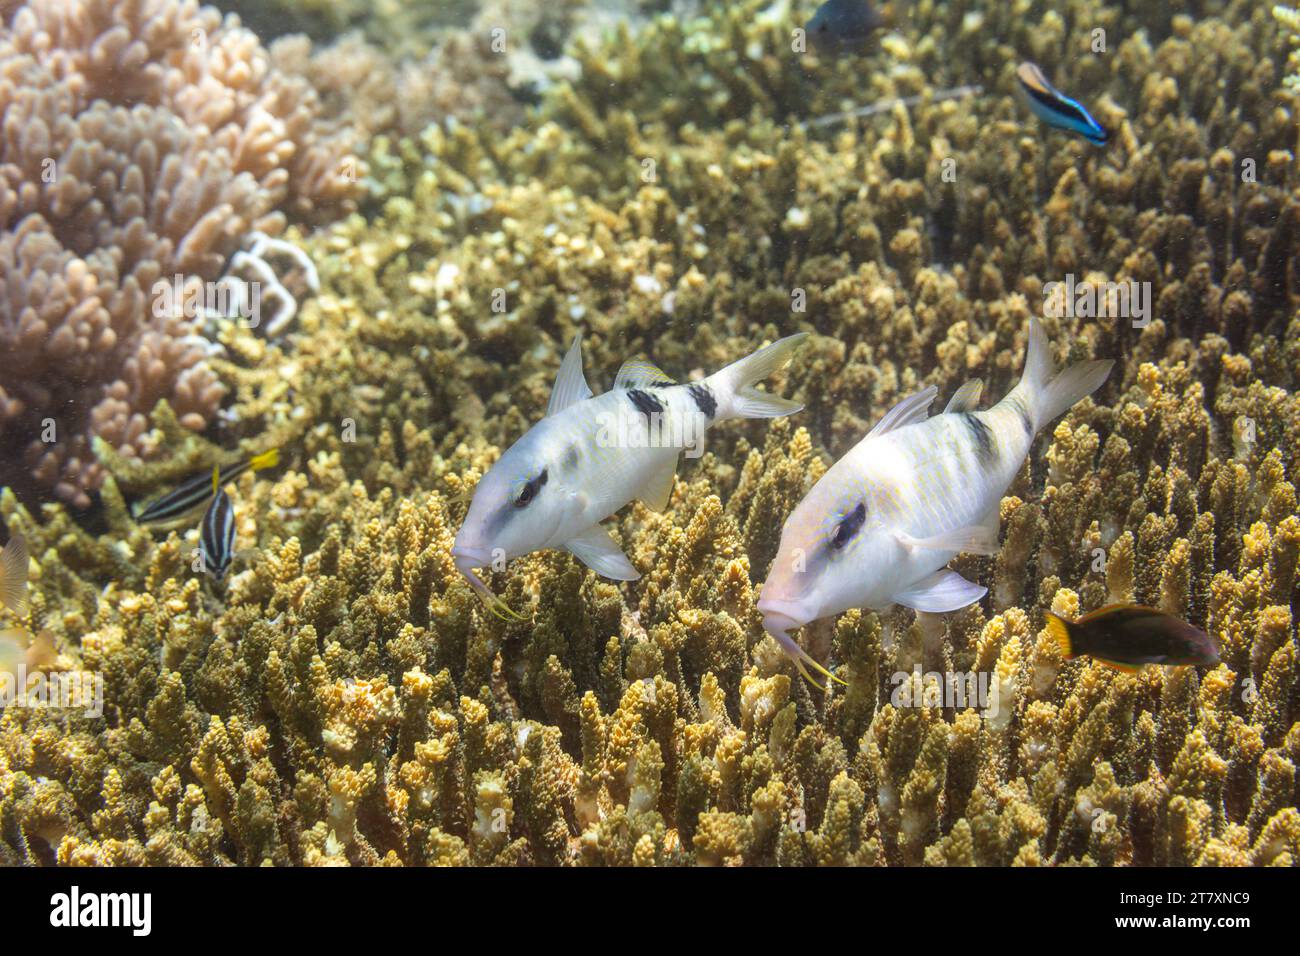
point(940, 592)
point(597, 550)
point(973, 539)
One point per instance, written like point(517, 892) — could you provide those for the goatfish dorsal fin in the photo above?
point(914, 408)
point(640, 373)
point(966, 398)
point(570, 383)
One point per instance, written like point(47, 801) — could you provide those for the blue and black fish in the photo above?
point(1130, 636)
point(844, 26)
point(193, 494)
point(217, 533)
point(1056, 109)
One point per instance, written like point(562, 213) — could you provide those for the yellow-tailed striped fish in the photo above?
point(194, 494)
point(592, 455)
point(13, 575)
point(217, 533)
point(884, 520)
point(1056, 109)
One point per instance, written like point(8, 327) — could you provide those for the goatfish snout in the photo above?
point(1128, 637)
point(1056, 109)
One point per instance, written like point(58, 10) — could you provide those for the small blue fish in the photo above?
point(217, 534)
point(1056, 109)
point(843, 25)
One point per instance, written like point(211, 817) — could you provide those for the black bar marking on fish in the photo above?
point(1022, 413)
point(704, 399)
point(982, 435)
point(571, 456)
point(645, 403)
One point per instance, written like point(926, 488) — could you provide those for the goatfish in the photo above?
point(217, 533)
point(1127, 637)
point(13, 575)
point(590, 456)
point(1056, 109)
point(195, 493)
point(879, 527)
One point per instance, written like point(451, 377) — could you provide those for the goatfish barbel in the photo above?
point(1056, 109)
point(590, 456)
point(1128, 637)
point(884, 520)
point(194, 494)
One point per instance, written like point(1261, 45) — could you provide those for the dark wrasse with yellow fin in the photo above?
point(1129, 636)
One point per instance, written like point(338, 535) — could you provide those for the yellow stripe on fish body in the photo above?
point(947, 471)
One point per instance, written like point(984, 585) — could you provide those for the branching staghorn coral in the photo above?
point(347, 700)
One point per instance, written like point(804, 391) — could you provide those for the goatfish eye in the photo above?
point(531, 489)
point(849, 526)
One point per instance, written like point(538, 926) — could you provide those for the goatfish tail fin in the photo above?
point(1049, 393)
point(734, 388)
point(1058, 629)
point(13, 575)
point(267, 459)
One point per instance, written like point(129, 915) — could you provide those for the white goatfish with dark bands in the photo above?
point(13, 575)
point(882, 523)
point(590, 456)
point(1056, 109)
point(217, 533)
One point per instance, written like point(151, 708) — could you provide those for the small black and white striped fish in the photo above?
point(195, 493)
point(217, 533)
